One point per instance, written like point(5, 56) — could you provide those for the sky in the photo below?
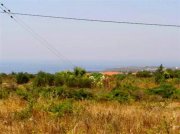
point(93, 42)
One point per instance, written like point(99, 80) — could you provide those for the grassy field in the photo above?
point(81, 117)
point(81, 103)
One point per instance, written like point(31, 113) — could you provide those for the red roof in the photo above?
point(110, 73)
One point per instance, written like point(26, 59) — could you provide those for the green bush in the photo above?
point(79, 72)
point(4, 93)
point(72, 81)
point(177, 74)
point(3, 75)
point(144, 74)
point(62, 92)
point(159, 75)
point(24, 94)
point(79, 82)
point(23, 114)
point(165, 90)
point(22, 78)
point(55, 92)
point(40, 79)
point(120, 76)
point(125, 93)
point(85, 82)
point(96, 76)
point(43, 79)
point(119, 95)
point(176, 95)
point(59, 79)
point(50, 79)
point(139, 95)
point(1, 80)
point(81, 94)
point(61, 109)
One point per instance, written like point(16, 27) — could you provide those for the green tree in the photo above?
point(78, 71)
point(40, 79)
point(22, 78)
point(159, 74)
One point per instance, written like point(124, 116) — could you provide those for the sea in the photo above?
point(54, 66)
point(50, 67)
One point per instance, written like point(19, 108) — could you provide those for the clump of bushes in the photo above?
point(165, 91)
point(81, 94)
point(4, 93)
point(124, 93)
point(65, 107)
point(79, 82)
point(76, 79)
point(159, 75)
point(120, 76)
point(119, 95)
point(24, 94)
point(22, 78)
point(43, 79)
point(65, 93)
point(79, 72)
point(1, 80)
point(144, 74)
point(23, 114)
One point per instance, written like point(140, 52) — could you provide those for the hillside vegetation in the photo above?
point(77, 102)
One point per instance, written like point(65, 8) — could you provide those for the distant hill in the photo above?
point(136, 69)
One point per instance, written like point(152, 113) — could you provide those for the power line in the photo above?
point(95, 20)
point(35, 35)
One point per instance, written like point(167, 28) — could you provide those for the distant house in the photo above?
point(110, 73)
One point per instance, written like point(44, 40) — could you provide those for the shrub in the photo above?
point(43, 79)
point(60, 92)
point(120, 76)
point(50, 79)
point(165, 90)
point(1, 80)
point(125, 93)
point(85, 82)
point(177, 74)
point(61, 109)
point(24, 94)
point(139, 95)
point(40, 79)
point(81, 94)
point(119, 95)
point(4, 93)
point(3, 75)
point(144, 74)
point(22, 78)
point(169, 73)
point(79, 72)
point(23, 114)
point(59, 79)
point(159, 74)
point(176, 94)
point(72, 81)
point(97, 76)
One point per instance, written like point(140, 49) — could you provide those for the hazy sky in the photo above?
point(94, 41)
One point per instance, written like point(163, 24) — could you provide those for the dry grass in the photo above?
point(90, 117)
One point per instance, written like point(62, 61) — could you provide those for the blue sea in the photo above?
point(52, 66)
